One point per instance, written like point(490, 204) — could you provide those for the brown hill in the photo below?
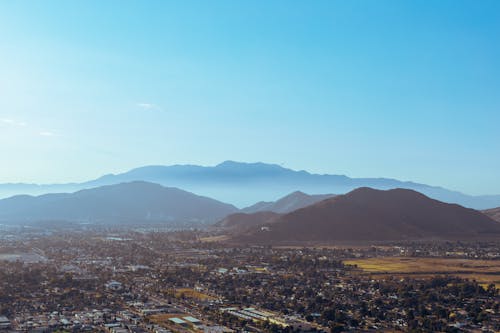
point(366, 214)
point(493, 213)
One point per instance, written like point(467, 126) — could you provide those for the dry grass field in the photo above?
point(483, 271)
point(211, 239)
point(191, 293)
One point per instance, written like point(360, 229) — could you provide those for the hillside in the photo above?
point(126, 202)
point(239, 222)
point(287, 204)
point(493, 213)
point(366, 214)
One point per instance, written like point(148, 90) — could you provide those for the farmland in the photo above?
point(483, 271)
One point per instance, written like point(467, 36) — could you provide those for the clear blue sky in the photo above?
point(401, 89)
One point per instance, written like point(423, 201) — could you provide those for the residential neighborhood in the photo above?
point(176, 282)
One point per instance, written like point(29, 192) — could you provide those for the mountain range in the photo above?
point(267, 211)
point(367, 214)
point(364, 214)
point(243, 184)
point(140, 201)
point(133, 202)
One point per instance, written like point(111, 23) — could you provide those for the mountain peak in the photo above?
point(256, 165)
point(297, 194)
point(393, 192)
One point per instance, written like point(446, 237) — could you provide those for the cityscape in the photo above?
point(250, 166)
point(183, 281)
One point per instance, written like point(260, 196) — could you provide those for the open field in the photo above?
point(483, 271)
point(191, 293)
point(211, 239)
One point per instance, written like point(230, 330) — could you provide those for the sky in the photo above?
point(400, 89)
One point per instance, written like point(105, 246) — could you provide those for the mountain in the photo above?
point(243, 184)
point(287, 204)
point(367, 214)
point(126, 202)
point(266, 212)
point(493, 213)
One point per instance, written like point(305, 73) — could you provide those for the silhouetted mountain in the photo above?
point(493, 213)
point(287, 204)
point(126, 202)
point(366, 214)
point(246, 183)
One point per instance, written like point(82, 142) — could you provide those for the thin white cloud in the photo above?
point(19, 125)
point(47, 133)
point(145, 105)
point(149, 106)
point(12, 122)
point(7, 121)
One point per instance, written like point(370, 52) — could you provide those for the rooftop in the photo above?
point(191, 319)
point(177, 320)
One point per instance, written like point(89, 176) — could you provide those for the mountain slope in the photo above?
point(246, 183)
point(493, 213)
point(366, 214)
point(126, 202)
point(287, 204)
point(240, 222)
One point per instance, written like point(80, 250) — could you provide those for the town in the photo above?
point(180, 281)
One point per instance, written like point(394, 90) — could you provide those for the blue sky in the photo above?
point(401, 89)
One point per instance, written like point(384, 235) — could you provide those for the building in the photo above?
point(192, 320)
point(178, 321)
point(114, 285)
point(4, 323)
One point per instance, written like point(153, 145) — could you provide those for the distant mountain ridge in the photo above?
point(367, 214)
point(243, 184)
point(133, 202)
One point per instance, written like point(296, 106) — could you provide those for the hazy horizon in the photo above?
point(401, 90)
